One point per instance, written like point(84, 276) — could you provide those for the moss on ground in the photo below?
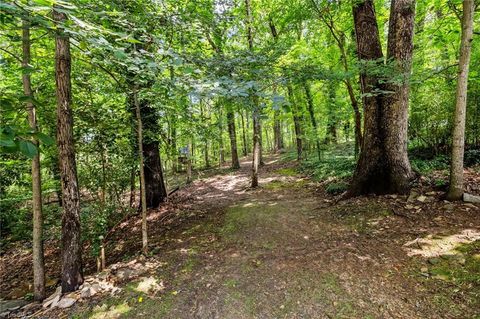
point(454, 281)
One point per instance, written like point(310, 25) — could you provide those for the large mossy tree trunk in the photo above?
point(72, 272)
point(455, 191)
point(37, 235)
point(383, 166)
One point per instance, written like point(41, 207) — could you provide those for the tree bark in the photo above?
point(358, 117)
point(277, 132)
point(233, 139)
point(383, 166)
point(244, 135)
point(221, 153)
point(257, 130)
point(311, 112)
point(455, 191)
point(332, 120)
point(189, 163)
point(72, 272)
point(143, 184)
point(277, 124)
point(37, 240)
point(156, 191)
point(296, 122)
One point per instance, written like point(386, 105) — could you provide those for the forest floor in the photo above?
point(290, 250)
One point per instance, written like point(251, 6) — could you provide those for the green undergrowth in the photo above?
point(287, 171)
point(425, 166)
point(337, 161)
point(337, 165)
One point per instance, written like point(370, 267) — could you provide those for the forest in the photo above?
point(240, 159)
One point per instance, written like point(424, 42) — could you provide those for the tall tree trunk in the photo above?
point(267, 147)
point(174, 144)
point(277, 132)
point(37, 240)
point(132, 185)
point(72, 272)
point(221, 153)
point(257, 129)
point(296, 122)
point(205, 153)
point(311, 112)
point(332, 121)
point(395, 120)
point(155, 189)
point(383, 165)
point(357, 115)
point(233, 138)
point(277, 124)
point(143, 184)
point(189, 163)
point(455, 191)
point(244, 135)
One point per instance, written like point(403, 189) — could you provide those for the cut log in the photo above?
point(469, 198)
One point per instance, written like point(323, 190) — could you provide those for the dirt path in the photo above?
point(287, 250)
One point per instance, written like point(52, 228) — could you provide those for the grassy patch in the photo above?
point(245, 218)
point(277, 184)
point(455, 281)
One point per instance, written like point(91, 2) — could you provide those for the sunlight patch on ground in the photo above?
point(434, 247)
point(103, 312)
point(149, 285)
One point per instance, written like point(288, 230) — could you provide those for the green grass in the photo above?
point(277, 185)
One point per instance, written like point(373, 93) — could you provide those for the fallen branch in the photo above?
point(174, 190)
